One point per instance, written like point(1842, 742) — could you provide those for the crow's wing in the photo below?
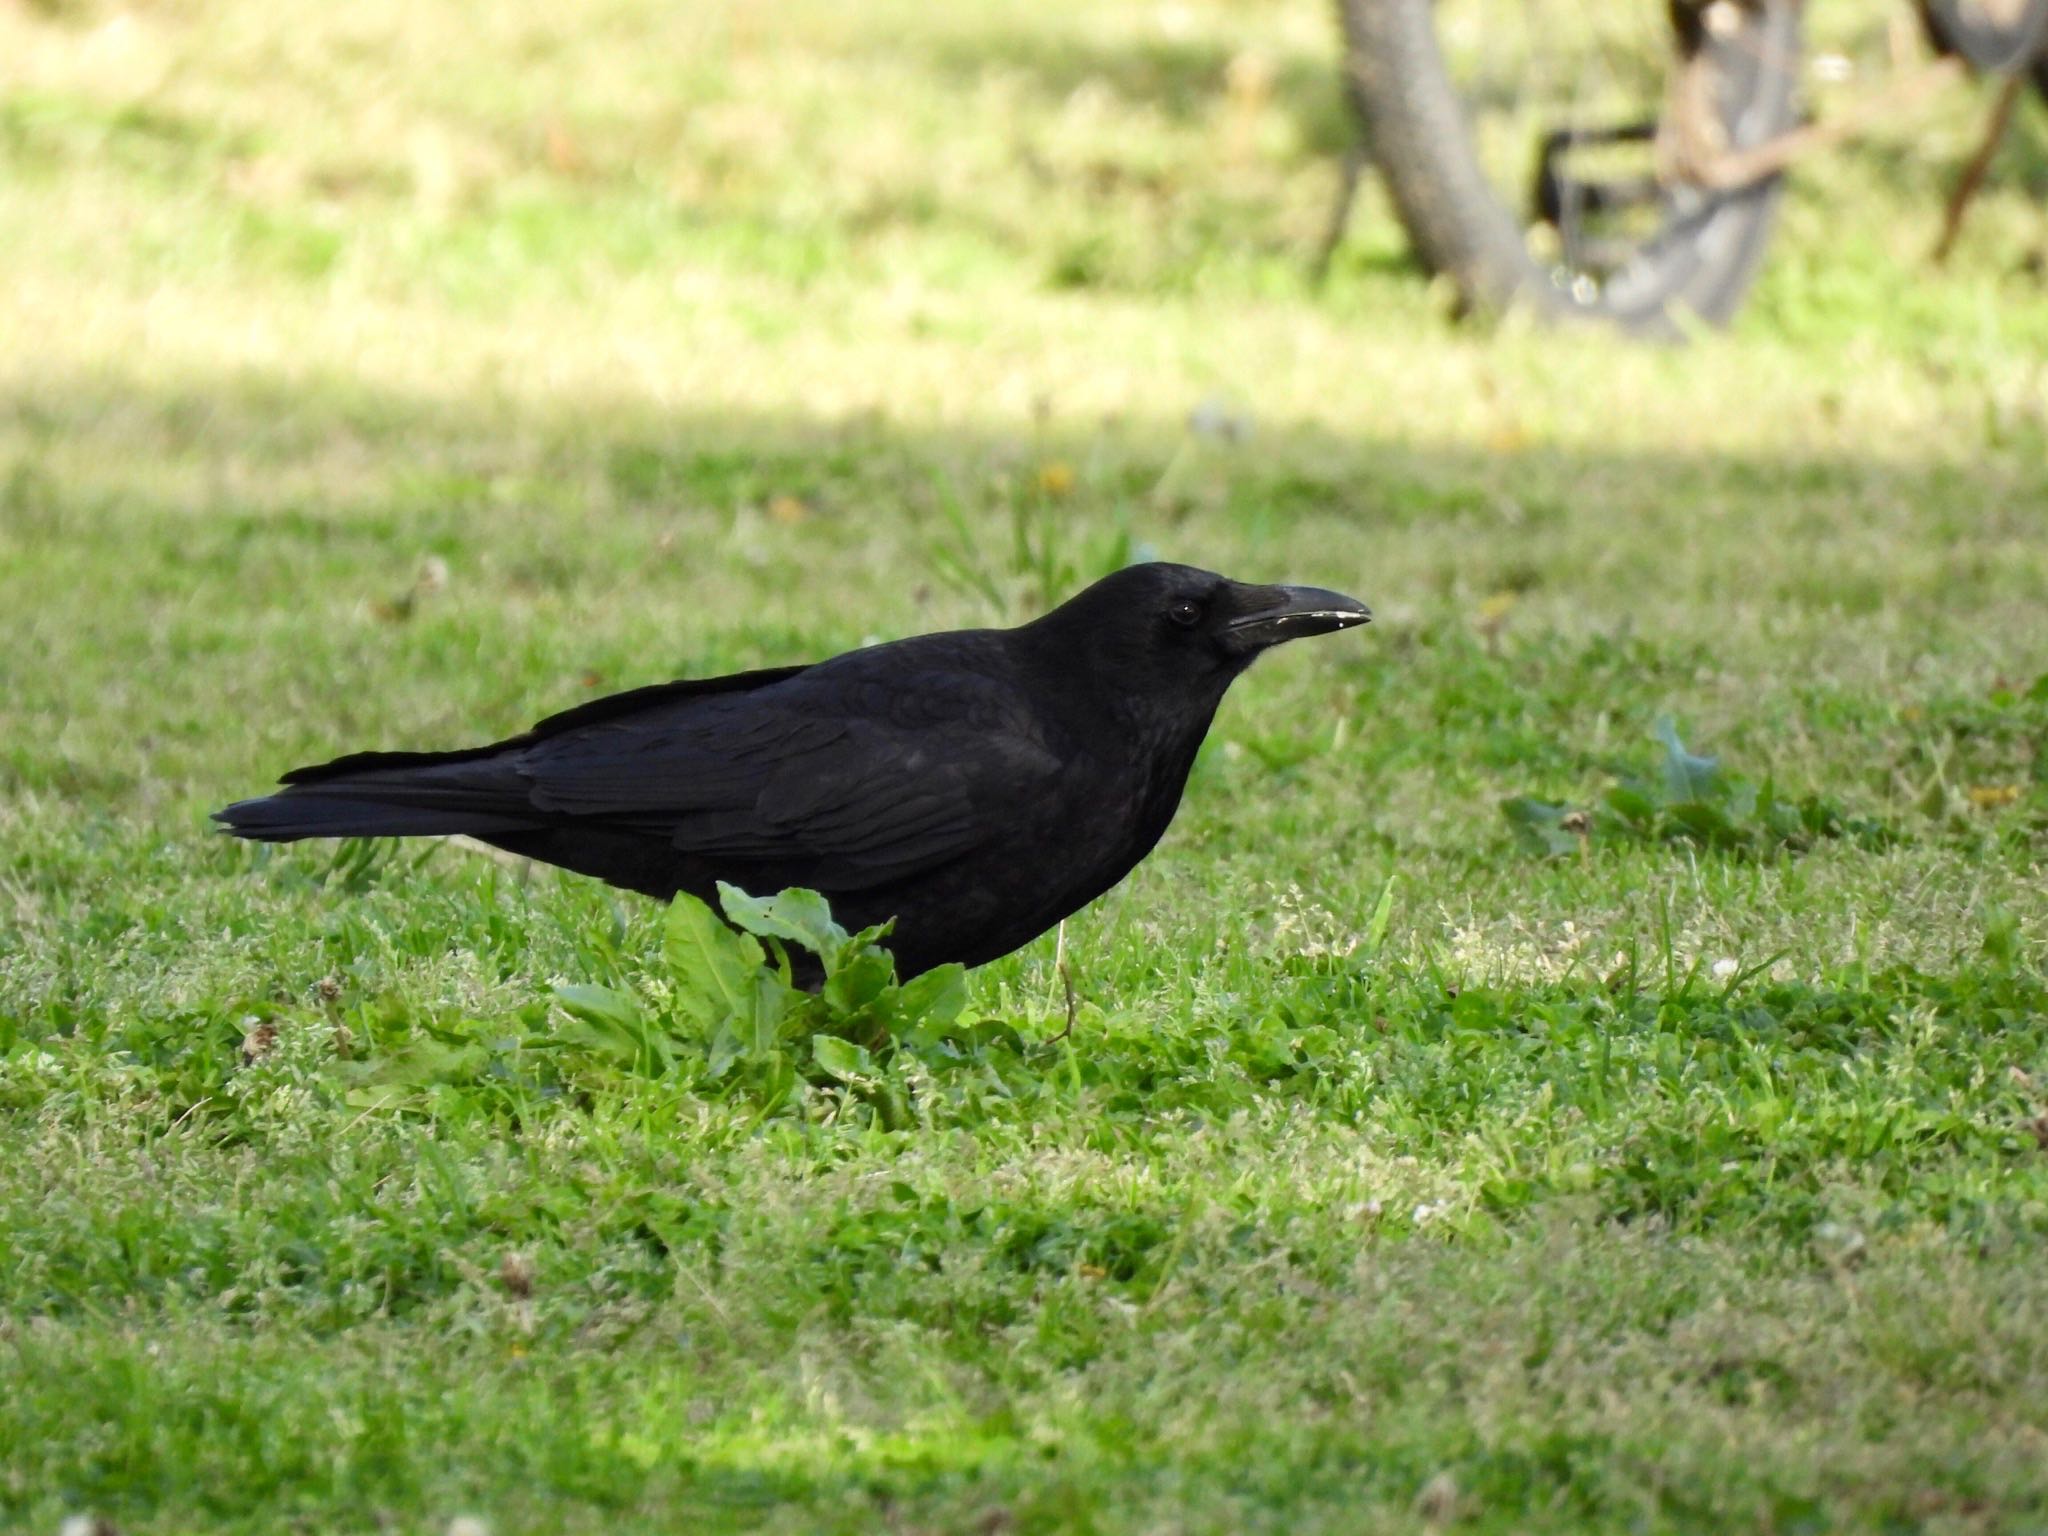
point(861, 781)
point(632, 702)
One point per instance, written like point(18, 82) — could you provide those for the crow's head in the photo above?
point(1174, 627)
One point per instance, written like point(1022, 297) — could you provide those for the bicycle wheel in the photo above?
point(1993, 35)
point(1570, 154)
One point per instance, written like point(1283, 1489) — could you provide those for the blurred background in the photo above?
point(1005, 215)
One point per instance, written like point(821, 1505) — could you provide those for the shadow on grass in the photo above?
point(253, 477)
point(246, 541)
point(615, 542)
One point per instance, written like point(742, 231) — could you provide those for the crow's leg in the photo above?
point(1059, 963)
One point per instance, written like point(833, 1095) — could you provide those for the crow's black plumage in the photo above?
point(977, 786)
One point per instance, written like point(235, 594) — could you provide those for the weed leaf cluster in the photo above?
point(728, 1004)
point(1687, 798)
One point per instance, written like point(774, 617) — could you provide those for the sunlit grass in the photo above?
point(388, 375)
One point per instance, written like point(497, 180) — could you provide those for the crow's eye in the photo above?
point(1187, 613)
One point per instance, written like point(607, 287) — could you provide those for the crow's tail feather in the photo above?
point(427, 800)
point(287, 818)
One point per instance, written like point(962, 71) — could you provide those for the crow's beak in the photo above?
point(1289, 613)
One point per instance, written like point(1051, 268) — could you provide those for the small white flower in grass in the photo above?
point(1725, 967)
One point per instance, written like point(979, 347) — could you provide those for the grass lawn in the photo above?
point(391, 375)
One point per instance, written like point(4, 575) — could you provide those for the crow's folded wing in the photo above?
point(861, 786)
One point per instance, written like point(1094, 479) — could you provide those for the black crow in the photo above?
point(977, 785)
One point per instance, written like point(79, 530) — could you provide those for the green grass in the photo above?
point(392, 375)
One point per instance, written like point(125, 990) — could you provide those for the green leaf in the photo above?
point(925, 1005)
point(1705, 824)
point(1785, 827)
point(1539, 826)
point(1636, 809)
point(841, 1058)
point(428, 1061)
point(711, 966)
point(797, 915)
point(1686, 776)
point(768, 1004)
point(606, 1007)
point(858, 982)
point(1691, 800)
point(727, 1046)
point(379, 1097)
point(610, 1023)
point(868, 938)
point(774, 1083)
point(2002, 942)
